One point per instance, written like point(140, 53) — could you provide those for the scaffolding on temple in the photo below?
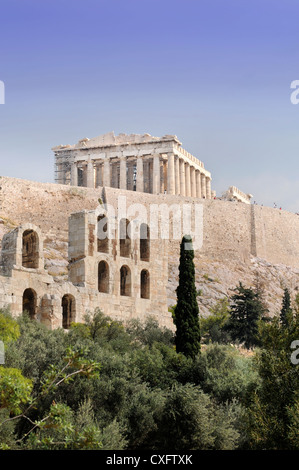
point(62, 171)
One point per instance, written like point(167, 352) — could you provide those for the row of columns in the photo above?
point(171, 175)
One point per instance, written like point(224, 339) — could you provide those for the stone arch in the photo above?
point(30, 249)
point(125, 281)
point(144, 284)
point(103, 277)
point(144, 242)
point(102, 234)
point(30, 302)
point(68, 304)
point(124, 238)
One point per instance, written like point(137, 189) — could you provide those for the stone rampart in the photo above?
point(236, 239)
point(230, 229)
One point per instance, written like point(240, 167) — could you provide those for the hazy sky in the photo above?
point(215, 73)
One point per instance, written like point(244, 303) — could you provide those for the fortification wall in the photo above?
point(46, 205)
point(277, 235)
point(231, 230)
point(237, 239)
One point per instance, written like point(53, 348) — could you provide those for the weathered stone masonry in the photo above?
point(123, 283)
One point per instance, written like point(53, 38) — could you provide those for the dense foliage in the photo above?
point(101, 385)
point(246, 312)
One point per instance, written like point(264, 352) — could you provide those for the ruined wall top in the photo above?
point(110, 139)
point(236, 194)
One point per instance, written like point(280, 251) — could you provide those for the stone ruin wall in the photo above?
point(238, 239)
point(230, 229)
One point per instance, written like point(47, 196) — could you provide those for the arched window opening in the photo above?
point(144, 284)
point(30, 251)
point(29, 302)
point(144, 242)
point(124, 238)
point(102, 234)
point(125, 281)
point(103, 277)
point(68, 310)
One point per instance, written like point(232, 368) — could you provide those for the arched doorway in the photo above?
point(30, 249)
point(144, 284)
point(144, 242)
point(68, 310)
point(103, 277)
point(102, 234)
point(124, 238)
point(30, 302)
point(125, 281)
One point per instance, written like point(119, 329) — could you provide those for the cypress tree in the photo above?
point(286, 311)
point(186, 314)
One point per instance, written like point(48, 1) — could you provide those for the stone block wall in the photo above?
point(231, 231)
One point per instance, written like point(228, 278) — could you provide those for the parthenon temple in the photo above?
point(156, 165)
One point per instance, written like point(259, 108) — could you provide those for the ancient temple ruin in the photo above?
point(156, 165)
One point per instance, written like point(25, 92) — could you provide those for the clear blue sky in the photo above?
point(215, 73)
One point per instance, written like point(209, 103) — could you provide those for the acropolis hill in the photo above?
point(54, 266)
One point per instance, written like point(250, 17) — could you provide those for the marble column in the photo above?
point(123, 174)
point(208, 187)
point(188, 180)
point(182, 178)
point(130, 182)
point(99, 175)
point(193, 182)
point(90, 175)
point(84, 175)
point(106, 173)
point(203, 186)
point(198, 184)
point(150, 176)
point(146, 176)
point(74, 174)
point(170, 175)
point(177, 176)
point(114, 173)
point(139, 176)
point(164, 177)
point(156, 174)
